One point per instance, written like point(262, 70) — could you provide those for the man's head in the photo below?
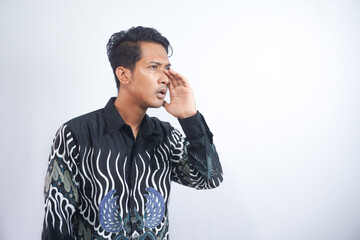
point(123, 48)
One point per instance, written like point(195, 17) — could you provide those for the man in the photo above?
point(110, 170)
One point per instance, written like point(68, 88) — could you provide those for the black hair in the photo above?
point(123, 48)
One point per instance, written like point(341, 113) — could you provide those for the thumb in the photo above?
point(165, 104)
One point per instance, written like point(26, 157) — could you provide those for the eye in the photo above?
point(153, 67)
point(167, 68)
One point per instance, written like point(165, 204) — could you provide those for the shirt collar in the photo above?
point(115, 122)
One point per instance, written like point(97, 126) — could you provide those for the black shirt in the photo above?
point(102, 183)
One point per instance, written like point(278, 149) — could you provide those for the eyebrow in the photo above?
point(159, 63)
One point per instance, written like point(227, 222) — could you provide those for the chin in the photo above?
point(153, 105)
point(157, 105)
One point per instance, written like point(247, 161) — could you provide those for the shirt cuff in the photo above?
point(193, 126)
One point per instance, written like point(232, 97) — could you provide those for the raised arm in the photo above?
point(195, 160)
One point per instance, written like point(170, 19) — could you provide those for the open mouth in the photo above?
point(161, 93)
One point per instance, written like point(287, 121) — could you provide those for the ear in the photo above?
point(123, 74)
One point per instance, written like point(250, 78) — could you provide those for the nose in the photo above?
point(164, 79)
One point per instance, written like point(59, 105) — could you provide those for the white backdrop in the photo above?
point(277, 82)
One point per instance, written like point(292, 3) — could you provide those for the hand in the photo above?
point(182, 102)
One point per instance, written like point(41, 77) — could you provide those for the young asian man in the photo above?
point(110, 171)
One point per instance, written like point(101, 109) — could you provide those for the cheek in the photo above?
point(142, 94)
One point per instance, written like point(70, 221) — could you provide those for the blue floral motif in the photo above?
point(111, 221)
point(155, 208)
point(109, 215)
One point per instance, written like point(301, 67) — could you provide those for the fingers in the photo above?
point(172, 77)
point(176, 79)
point(166, 105)
point(171, 85)
point(172, 80)
point(183, 80)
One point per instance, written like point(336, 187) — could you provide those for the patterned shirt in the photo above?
point(102, 183)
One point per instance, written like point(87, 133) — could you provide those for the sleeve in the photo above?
point(195, 162)
point(61, 189)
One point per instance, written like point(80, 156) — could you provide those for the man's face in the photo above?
point(148, 79)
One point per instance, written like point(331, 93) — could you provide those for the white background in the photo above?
point(277, 82)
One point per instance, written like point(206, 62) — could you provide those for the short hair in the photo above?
point(123, 48)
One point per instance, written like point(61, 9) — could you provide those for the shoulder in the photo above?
point(90, 118)
point(160, 126)
point(166, 131)
point(85, 123)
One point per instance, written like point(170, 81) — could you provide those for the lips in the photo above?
point(161, 93)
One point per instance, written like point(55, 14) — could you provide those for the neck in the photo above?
point(130, 113)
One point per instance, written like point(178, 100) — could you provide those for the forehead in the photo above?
point(151, 51)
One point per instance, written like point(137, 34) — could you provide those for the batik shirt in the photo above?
point(102, 183)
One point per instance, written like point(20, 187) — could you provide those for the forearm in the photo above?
point(200, 156)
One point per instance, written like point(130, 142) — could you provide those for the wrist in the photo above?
point(187, 115)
